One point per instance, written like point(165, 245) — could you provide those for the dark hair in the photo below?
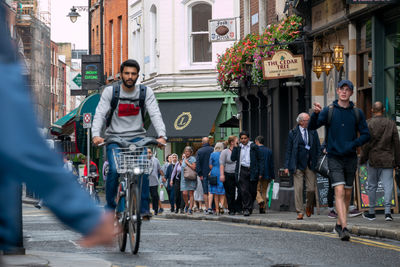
point(166, 158)
point(260, 139)
point(243, 133)
point(129, 63)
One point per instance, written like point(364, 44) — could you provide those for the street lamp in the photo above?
point(73, 15)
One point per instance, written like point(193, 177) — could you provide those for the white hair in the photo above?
point(300, 117)
point(219, 147)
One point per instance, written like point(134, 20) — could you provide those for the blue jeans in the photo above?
point(112, 183)
point(386, 176)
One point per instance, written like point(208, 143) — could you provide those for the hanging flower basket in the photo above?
point(231, 65)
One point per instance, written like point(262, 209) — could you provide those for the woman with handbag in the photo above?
point(189, 181)
point(216, 187)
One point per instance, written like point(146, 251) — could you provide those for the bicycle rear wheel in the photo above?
point(134, 222)
point(121, 222)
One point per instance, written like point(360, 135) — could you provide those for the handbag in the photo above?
point(213, 180)
point(189, 174)
point(322, 165)
point(275, 191)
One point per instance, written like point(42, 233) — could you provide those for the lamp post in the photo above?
point(73, 15)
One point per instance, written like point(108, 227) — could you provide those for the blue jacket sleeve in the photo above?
point(26, 157)
point(318, 120)
point(271, 165)
point(363, 130)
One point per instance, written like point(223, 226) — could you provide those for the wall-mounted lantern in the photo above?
point(317, 62)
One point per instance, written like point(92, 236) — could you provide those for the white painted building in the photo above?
point(169, 38)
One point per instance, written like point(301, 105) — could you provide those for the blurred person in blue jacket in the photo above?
point(25, 158)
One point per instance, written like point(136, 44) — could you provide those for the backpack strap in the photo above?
point(114, 102)
point(356, 114)
point(330, 113)
point(142, 101)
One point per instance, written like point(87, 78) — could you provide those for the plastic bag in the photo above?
point(275, 191)
point(161, 194)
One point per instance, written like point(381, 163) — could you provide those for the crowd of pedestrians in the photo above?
point(234, 175)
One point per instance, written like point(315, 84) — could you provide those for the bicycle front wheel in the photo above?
point(134, 222)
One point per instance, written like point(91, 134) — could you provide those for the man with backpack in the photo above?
point(342, 121)
point(122, 109)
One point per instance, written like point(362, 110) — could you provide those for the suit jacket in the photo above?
point(203, 160)
point(294, 152)
point(256, 161)
point(168, 174)
point(268, 162)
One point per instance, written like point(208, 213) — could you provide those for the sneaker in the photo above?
point(337, 229)
point(368, 216)
point(182, 211)
point(38, 205)
point(332, 214)
point(146, 216)
point(354, 213)
point(161, 210)
point(190, 212)
point(345, 235)
point(176, 211)
point(246, 213)
point(186, 209)
point(388, 217)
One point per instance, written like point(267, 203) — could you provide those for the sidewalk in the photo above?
point(322, 223)
point(53, 259)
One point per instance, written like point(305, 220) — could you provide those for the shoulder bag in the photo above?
point(189, 174)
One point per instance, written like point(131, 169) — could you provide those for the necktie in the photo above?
point(305, 137)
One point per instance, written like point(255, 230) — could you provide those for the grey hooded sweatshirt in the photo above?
point(127, 119)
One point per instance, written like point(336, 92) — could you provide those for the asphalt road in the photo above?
point(168, 242)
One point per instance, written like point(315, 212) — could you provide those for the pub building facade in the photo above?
point(340, 40)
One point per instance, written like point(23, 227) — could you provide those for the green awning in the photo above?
point(88, 105)
point(57, 127)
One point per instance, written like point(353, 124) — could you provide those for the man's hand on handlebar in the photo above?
point(97, 140)
point(161, 142)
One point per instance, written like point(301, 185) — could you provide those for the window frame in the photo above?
point(191, 34)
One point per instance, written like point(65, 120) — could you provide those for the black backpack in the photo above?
point(115, 99)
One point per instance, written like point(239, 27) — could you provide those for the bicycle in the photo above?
point(132, 163)
point(88, 184)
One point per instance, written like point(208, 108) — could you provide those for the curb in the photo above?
point(27, 200)
point(305, 226)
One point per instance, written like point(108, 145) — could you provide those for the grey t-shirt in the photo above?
point(225, 160)
point(153, 177)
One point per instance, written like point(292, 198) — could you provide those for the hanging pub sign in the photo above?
point(283, 64)
point(222, 30)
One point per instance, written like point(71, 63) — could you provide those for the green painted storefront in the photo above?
point(227, 109)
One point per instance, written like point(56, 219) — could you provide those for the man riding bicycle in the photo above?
point(126, 121)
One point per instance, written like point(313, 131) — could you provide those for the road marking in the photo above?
point(353, 239)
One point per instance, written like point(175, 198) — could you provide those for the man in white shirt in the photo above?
point(249, 166)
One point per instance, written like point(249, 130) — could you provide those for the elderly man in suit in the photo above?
point(249, 167)
point(302, 151)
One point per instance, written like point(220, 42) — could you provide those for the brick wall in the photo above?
point(95, 30)
point(241, 18)
point(271, 11)
point(115, 12)
point(253, 11)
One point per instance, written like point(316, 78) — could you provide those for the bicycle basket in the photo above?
point(135, 160)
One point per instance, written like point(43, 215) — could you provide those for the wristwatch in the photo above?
point(163, 137)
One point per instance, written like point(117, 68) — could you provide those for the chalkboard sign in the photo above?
point(362, 192)
point(323, 188)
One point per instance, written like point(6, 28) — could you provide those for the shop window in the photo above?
point(364, 68)
point(201, 49)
